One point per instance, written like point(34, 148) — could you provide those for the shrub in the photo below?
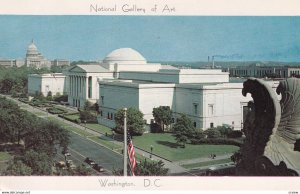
point(217, 141)
point(24, 100)
point(62, 98)
point(199, 134)
point(88, 116)
point(155, 128)
point(224, 130)
point(235, 134)
point(54, 110)
point(78, 121)
point(212, 133)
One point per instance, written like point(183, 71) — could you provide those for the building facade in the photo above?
point(33, 58)
point(125, 79)
point(256, 70)
point(45, 83)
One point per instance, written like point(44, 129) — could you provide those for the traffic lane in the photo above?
point(101, 155)
point(77, 159)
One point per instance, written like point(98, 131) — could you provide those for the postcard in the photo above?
point(109, 96)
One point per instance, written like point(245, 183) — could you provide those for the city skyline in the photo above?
point(176, 38)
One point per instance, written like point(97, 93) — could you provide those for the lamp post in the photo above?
point(125, 143)
point(84, 125)
point(113, 136)
point(151, 149)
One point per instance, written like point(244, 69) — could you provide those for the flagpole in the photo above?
point(125, 143)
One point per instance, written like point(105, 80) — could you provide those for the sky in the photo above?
point(157, 38)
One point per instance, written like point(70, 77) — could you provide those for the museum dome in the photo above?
point(125, 55)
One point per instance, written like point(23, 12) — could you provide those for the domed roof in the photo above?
point(32, 49)
point(127, 55)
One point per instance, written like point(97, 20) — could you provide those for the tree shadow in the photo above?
point(169, 144)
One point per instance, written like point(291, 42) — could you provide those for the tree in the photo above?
point(44, 135)
point(135, 121)
point(88, 116)
point(152, 168)
point(163, 116)
point(146, 168)
point(18, 168)
point(183, 130)
point(40, 163)
point(82, 170)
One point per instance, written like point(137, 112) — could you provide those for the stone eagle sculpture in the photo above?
point(272, 129)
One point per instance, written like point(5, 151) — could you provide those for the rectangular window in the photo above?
point(210, 110)
point(195, 124)
point(102, 100)
point(195, 108)
point(211, 125)
point(173, 120)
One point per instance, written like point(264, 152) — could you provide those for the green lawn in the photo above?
point(4, 156)
point(40, 113)
point(72, 117)
point(65, 109)
point(106, 143)
point(99, 128)
point(78, 131)
point(165, 145)
point(61, 123)
point(208, 163)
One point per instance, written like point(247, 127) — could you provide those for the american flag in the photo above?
point(131, 153)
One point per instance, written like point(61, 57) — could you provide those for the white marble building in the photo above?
point(33, 58)
point(45, 83)
point(125, 79)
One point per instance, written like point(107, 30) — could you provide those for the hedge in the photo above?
point(217, 141)
point(24, 100)
point(56, 110)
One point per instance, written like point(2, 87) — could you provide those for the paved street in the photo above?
point(101, 155)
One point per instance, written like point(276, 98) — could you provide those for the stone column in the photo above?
point(71, 85)
point(77, 86)
point(87, 87)
point(83, 87)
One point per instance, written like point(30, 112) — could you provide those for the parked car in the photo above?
point(61, 164)
point(70, 164)
point(89, 161)
point(66, 153)
point(98, 168)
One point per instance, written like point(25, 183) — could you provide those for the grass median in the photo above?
point(99, 128)
point(164, 145)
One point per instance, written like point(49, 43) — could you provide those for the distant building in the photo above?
point(60, 62)
point(6, 62)
point(33, 59)
point(256, 70)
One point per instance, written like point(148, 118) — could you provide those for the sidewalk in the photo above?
point(203, 159)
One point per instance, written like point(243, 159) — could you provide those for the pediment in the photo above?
point(77, 70)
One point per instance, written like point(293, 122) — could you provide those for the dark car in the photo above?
point(89, 161)
point(98, 168)
point(66, 153)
